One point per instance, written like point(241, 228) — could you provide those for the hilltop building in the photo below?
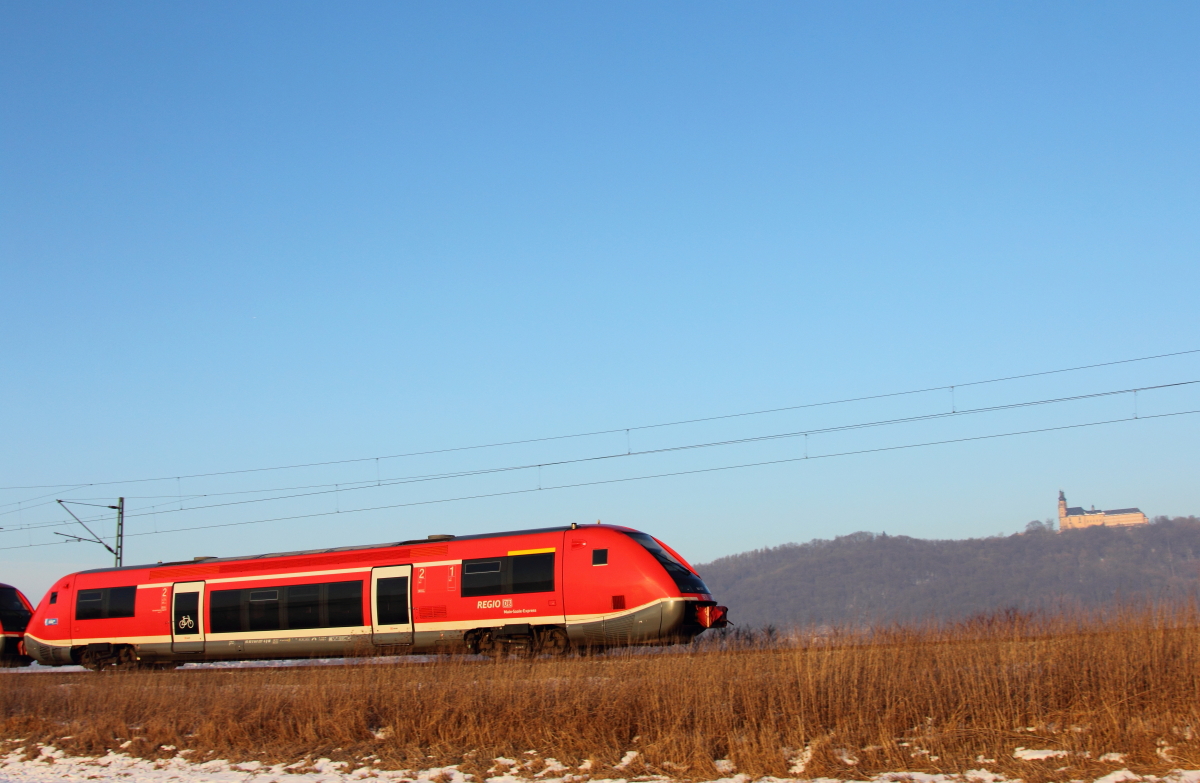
point(1076, 517)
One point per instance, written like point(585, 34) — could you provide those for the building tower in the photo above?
point(1062, 509)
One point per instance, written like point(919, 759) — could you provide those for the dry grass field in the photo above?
point(944, 699)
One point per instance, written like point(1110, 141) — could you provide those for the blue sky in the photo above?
point(238, 237)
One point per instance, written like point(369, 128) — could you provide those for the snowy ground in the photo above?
point(53, 765)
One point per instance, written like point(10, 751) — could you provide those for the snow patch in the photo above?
point(982, 776)
point(626, 760)
point(846, 757)
point(799, 761)
point(1120, 776)
point(1026, 754)
point(52, 765)
point(553, 767)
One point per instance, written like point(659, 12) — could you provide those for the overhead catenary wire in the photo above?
point(344, 487)
point(614, 430)
point(709, 444)
point(60, 490)
point(695, 471)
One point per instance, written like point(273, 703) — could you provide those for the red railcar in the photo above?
point(15, 611)
point(546, 590)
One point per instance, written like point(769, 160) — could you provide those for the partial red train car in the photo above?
point(549, 590)
point(15, 611)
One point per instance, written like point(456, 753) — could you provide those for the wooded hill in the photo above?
point(866, 579)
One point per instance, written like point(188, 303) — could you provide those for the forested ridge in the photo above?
point(867, 578)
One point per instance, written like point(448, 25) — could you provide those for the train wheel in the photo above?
point(125, 661)
point(554, 642)
point(489, 647)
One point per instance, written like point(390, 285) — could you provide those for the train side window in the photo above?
point(327, 605)
point(53, 598)
point(304, 606)
point(105, 602)
point(89, 605)
point(344, 604)
point(121, 601)
point(391, 600)
point(533, 573)
point(225, 611)
point(263, 611)
point(599, 557)
point(482, 577)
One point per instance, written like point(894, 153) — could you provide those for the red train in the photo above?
point(15, 612)
point(549, 590)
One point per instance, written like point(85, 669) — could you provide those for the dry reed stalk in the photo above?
point(935, 699)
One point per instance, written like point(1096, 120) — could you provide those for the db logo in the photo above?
point(495, 603)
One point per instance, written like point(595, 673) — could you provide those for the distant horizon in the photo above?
point(1153, 520)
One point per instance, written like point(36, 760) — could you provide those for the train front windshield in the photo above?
point(13, 614)
point(685, 580)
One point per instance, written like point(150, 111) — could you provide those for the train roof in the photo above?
point(435, 539)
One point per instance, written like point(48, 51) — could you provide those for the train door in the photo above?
point(391, 605)
point(187, 617)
